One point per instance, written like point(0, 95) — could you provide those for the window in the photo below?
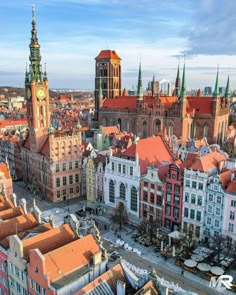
point(200, 186)
point(134, 200)
point(187, 183)
point(177, 188)
point(58, 194)
point(70, 165)
point(145, 196)
point(176, 213)
point(76, 164)
point(111, 192)
point(199, 216)
point(18, 287)
point(193, 198)
point(192, 214)
point(145, 183)
point(58, 182)
point(231, 227)
point(197, 231)
point(152, 198)
point(194, 184)
point(71, 190)
point(152, 185)
point(57, 167)
point(168, 210)
point(77, 189)
point(217, 223)
point(208, 220)
point(186, 212)
point(209, 209)
point(233, 203)
point(119, 167)
point(159, 200)
point(218, 199)
point(186, 199)
point(122, 191)
point(168, 198)
point(131, 171)
point(64, 167)
point(64, 192)
point(176, 200)
point(199, 200)
point(232, 215)
point(168, 186)
point(76, 178)
point(64, 180)
point(210, 198)
point(71, 179)
point(112, 166)
point(218, 211)
point(124, 169)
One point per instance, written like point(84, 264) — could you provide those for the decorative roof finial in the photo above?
point(33, 10)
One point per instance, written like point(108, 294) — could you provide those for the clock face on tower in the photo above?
point(40, 93)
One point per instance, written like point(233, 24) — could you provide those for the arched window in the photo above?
point(144, 129)
point(122, 191)
point(111, 191)
point(134, 199)
point(170, 129)
point(196, 130)
point(157, 127)
point(205, 130)
point(104, 121)
point(127, 125)
point(119, 123)
point(112, 123)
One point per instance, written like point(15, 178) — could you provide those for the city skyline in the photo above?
point(73, 32)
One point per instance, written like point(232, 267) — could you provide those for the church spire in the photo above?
point(183, 87)
point(140, 86)
point(216, 91)
point(177, 83)
point(227, 90)
point(35, 58)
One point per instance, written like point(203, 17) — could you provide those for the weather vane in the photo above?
point(33, 9)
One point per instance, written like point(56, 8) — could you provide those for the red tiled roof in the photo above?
point(121, 102)
point(70, 257)
point(110, 129)
point(11, 213)
point(111, 276)
point(108, 54)
point(168, 101)
point(225, 178)
point(45, 148)
point(202, 105)
point(232, 187)
point(6, 123)
point(49, 240)
point(5, 170)
point(152, 150)
point(6, 205)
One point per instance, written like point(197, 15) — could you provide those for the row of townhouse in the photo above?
point(196, 195)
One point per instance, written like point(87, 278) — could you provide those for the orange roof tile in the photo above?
point(111, 277)
point(72, 256)
point(232, 187)
point(202, 105)
point(6, 123)
point(49, 240)
point(108, 54)
point(11, 213)
point(110, 129)
point(121, 102)
point(151, 151)
point(149, 286)
point(17, 224)
point(6, 205)
point(5, 170)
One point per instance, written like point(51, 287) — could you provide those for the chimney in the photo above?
point(120, 287)
point(22, 203)
point(52, 221)
point(97, 258)
point(13, 198)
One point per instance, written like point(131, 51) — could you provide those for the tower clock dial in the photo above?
point(40, 93)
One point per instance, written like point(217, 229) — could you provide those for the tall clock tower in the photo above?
point(37, 94)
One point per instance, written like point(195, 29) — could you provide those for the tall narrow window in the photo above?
point(134, 199)
point(111, 191)
point(122, 191)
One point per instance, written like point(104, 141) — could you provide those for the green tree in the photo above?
point(120, 216)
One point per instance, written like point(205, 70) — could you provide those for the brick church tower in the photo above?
point(107, 77)
point(36, 86)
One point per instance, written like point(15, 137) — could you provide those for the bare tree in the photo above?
point(120, 215)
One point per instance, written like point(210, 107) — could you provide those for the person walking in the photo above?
point(182, 273)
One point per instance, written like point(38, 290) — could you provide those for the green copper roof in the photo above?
point(140, 86)
point(227, 90)
point(216, 91)
point(183, 87)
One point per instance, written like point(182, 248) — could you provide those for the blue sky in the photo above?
point(73, 32)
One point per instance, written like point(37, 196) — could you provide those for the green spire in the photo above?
point(140, 86)
point(35, 58)
point(227, 90)
point(100, 95)
point(216, 91)
point(177, 83)
point(183, 87)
